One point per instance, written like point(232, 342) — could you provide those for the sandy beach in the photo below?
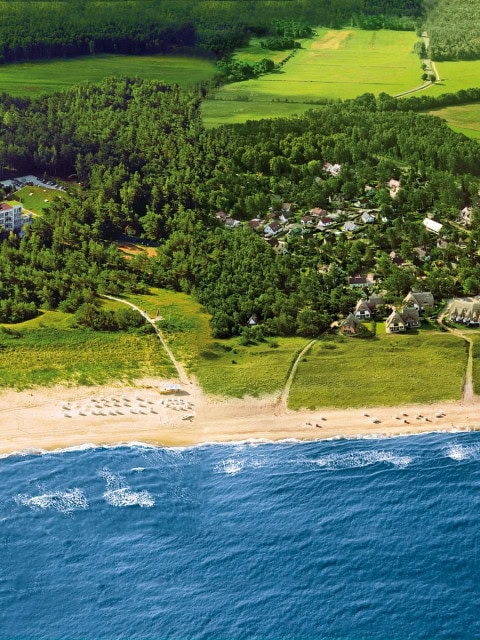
point(62, 417)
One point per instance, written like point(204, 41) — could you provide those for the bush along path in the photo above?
point(182, 374)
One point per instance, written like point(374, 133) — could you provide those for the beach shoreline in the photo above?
point(48, 419)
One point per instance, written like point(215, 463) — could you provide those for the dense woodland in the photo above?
point(150, 170)
point(31, 29)
point(454, 29)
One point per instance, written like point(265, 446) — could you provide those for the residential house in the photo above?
point(421, 301)
point(432, 225)
point(367, 218)
point(332, 169)
point(400, 321)
point(349, 326)
point(273, 228)
point(221, 216)
point(465, 216)
point(253, 320)
point(396, 259)
point(366, 309)
point(357, 280)
point(307, 221)
point(325, 221)
point(11, 216)
point(231, 223)
point(316, 212)
point(286, 207)
point(349, 226)
point(466, 311)
point(394, 187)
point(255, 223)
point(362, 310)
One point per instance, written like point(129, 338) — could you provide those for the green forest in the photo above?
point(151, 171)
point(454, 29)
point(32, 29)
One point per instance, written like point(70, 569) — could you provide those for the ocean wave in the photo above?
point(63, 501)
point(119, 494)
point(231, 467)
point(460, 452)
point(359, 459)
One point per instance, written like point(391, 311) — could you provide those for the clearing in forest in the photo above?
point(463, 119)
point(49, 76)
point(335, 64)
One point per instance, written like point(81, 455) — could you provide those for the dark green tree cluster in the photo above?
point(454, 29)
point(31, 30)
point(151, 170)
point(279, 43)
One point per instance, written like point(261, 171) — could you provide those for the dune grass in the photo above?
point(386, 371)
point(476, 361)
point(48, 350)
point(335, 64)
point(36, 78)
point(222, 367)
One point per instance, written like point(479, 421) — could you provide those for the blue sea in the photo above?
point(357, 539)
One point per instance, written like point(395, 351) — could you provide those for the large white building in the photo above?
point(11, 217)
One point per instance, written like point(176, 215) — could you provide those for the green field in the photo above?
point(455, 76)
point(463, 119)
point(386, 371)
point(37, 199)
point(47, 351)
point(335, 64)
point(35, 78)
point(222, 367)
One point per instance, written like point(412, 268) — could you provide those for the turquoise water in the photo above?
point(337, 539)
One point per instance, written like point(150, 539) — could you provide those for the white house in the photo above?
point(367, 217)
point(432, 225)
point(349, 226)
point(394, 186)
point(11, 216)
point(273, 229)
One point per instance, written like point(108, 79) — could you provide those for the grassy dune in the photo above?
point(389, 370)
point(35, 78)
point(334, 64)
point(47, 351)
point(222, 367)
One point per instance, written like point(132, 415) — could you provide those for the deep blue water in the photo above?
point(358, 539)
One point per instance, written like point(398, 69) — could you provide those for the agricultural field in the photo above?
point(455, 76)
point(335, 64)
point(48, 350)
point(463, 119)
point(222, 367)
point(388, 370)
point(36, 78)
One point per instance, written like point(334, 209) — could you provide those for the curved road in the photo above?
point(182, 374)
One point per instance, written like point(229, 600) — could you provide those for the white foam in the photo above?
point(358, 459)
point(460, 452)
point(119, 494)
point(63, 501)
point(231, 467)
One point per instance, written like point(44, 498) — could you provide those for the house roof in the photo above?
point(357, 279)
point(274, 226)
point(362, 305)
point(432, 225)
point(350, 321)
point(394, 318)
point(254, 224)
point(4, 206)
point(409, 314)
point(421, 298)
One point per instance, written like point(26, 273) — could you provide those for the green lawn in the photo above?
point(47, 351)
point(386, 371)
point(35, 78)
point(37, 199)
point(335, 64)
point(222, 367)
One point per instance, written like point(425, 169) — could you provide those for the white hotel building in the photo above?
point(11, 217)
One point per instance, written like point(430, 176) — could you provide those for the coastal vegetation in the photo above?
point(386, 371)
point(54, 349)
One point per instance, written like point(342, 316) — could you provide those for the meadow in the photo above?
point(36, 78)
point(335, 64)
point(385, 371)
point(222, 367)
point(463, 119)
point(48, 350)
